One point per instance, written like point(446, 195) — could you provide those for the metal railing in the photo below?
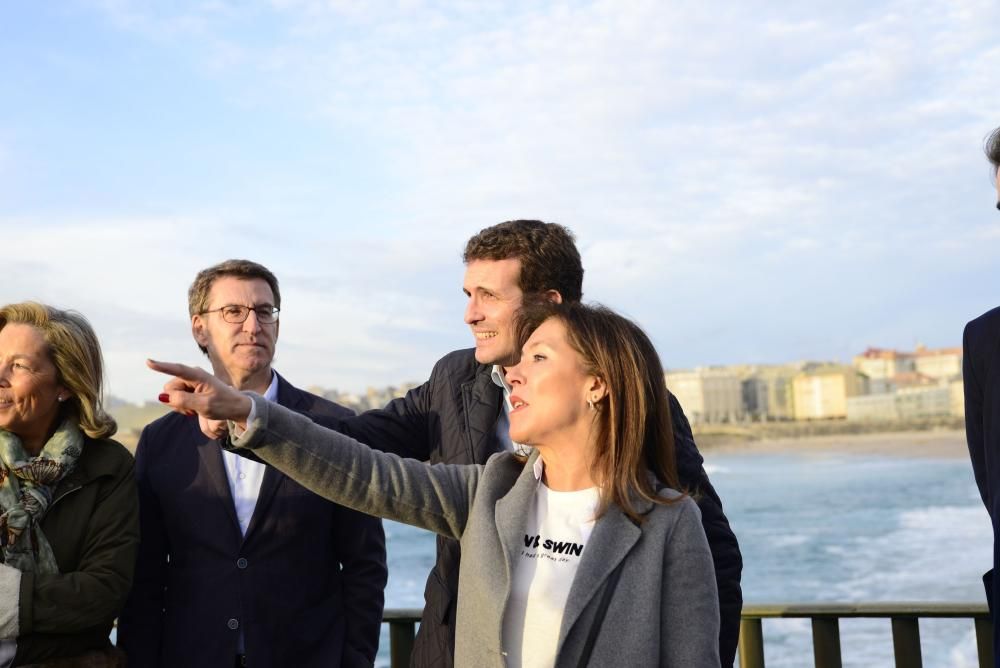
point(825, 626)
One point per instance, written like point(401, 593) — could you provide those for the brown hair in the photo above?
point(547, 251)
point(992, 149)
point(244, 269)
point(74, 350)
point(634, 429)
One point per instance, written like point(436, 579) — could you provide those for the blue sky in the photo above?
point(750, 182)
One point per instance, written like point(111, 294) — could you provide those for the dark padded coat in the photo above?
point(93, 528)
point(452, 419)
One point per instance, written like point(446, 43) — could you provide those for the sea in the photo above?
point(823, 527)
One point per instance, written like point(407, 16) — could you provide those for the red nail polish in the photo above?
point(164, 398)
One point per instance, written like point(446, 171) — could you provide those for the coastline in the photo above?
point(935, 443)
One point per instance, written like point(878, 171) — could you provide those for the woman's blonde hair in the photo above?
point(635, 433)
point(74, 350)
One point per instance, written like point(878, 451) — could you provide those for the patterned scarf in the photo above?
point(26, 488)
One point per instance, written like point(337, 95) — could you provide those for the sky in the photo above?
point(752, 182)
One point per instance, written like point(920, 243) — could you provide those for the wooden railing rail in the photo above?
point(826, 628)
point(825, 618)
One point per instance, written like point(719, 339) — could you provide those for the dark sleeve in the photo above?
point(400, 428)
point(721, 539)
point(363, 577)
point(141, 622)
point(973, 377)
point(94, 592)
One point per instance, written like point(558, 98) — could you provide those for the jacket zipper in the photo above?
point(62, 496)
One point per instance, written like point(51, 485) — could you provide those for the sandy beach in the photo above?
point(938, 443)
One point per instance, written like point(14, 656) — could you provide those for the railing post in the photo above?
point(906, 642)
point(984, 642)
point(400, 643)
point(751, 643)
point(826, 642)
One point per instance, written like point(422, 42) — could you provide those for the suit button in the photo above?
point(241, 563)
point(233, 624)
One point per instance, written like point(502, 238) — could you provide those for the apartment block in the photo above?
point(767, 392)
point(943, 363)
point(708, 394)
point(906, 403)
point(877, 363)
point(821, 393)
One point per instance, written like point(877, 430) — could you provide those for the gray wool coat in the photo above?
point(664, 611)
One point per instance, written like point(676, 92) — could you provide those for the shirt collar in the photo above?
point(497, 375)
point(538, 467)
point(271, 394)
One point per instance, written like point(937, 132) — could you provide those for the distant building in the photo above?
point(708, 394)
point(943, 363)
point(767, 392)
point(879, 407)
point(821, 393)
point(957, 388)
point(881, 363)
point(923, 401)
point(905, 385)
point(373, 397)
point(905, 403)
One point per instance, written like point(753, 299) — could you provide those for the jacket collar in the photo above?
point(96, 461)
point(481, 401)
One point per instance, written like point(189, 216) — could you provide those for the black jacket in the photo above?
point(305, 584)
point(981, 375)
point(452, 419)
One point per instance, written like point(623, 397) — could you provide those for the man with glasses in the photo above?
point(238, 564)
point(981, 374)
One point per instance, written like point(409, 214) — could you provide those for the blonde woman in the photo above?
point(68, 511)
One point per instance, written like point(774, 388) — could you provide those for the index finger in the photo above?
point(190, 373)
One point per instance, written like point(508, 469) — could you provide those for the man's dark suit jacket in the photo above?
point(305, 585)
point(452, 418)
point(981, 373)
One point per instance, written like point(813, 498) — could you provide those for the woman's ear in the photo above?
point(597, 389)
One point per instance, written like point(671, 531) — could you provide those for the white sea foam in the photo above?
point(918, 560)
point(790, 540)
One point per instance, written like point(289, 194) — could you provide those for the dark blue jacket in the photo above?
point(305, 584)
point(452, 418)
point(981, 373)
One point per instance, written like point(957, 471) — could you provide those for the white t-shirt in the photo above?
point(556, 532)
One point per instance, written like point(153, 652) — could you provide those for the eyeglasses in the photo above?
point(236, 314)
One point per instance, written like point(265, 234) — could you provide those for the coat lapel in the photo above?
point(482, 405)
point(510, 512)
point(613, 537)
point(288, 397)
point(210, 455)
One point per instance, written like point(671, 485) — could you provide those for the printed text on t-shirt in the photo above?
point(559, 547)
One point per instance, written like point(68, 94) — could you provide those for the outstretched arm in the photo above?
point(328, 463)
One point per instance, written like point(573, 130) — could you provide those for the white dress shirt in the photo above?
point(246, 475)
